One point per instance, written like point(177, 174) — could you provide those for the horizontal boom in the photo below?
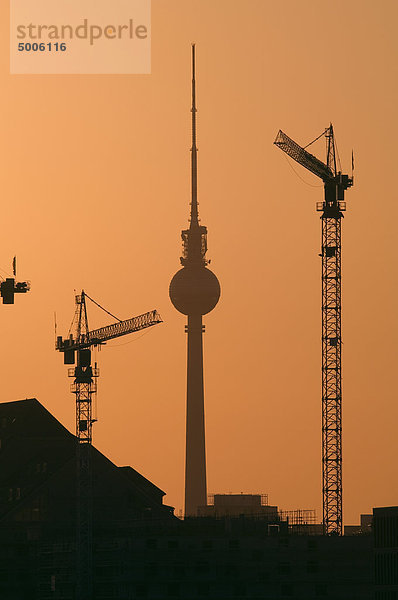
point(304, 158)
point(103, 334)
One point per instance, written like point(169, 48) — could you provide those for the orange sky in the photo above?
point(95, 187)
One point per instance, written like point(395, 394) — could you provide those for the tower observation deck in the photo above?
point(194, 291)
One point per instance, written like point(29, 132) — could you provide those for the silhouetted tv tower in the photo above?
point(194, 291)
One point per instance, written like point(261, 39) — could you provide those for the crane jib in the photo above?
point(304, 158)
point(109, 332)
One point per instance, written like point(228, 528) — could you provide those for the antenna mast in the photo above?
point(194, 151)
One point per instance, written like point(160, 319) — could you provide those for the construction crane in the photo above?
point(332, 208)
point(9, 287)
point(77, 351)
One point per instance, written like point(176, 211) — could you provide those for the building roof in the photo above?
point(37, 472)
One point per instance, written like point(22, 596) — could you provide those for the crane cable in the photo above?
point(102, 308)
point(316, 139)
point(299, 176)
point(135, 339)
point(336, 150)
point(338, 157)
point(6, 273)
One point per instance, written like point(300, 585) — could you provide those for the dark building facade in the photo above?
point(140, 550)
point(385, 526)
point(38, 502)
point(38, 474)
point(236, 505)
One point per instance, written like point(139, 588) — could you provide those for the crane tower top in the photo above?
point(335, 182)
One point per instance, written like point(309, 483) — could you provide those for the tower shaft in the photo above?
point(195, 456)
point(84, 388)
point(84, 493)
point(331, 373)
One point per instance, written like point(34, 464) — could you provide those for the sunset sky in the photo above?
point(95, 187)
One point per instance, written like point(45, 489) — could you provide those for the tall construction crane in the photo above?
point(332, 208)
point(77, 350)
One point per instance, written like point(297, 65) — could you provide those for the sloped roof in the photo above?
point(36, 449)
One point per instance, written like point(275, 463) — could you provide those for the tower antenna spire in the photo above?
point(194, 151)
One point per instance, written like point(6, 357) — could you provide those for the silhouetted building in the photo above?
point(255, 506)
point(364, 527)
point(140, 550)
point(38, 473)
point(236, 505)
point(38, 498)
point(385, 528)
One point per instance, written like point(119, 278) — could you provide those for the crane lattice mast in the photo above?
point(332, 208)
point(77, 350)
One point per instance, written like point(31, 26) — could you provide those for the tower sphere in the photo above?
point(194, 290)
